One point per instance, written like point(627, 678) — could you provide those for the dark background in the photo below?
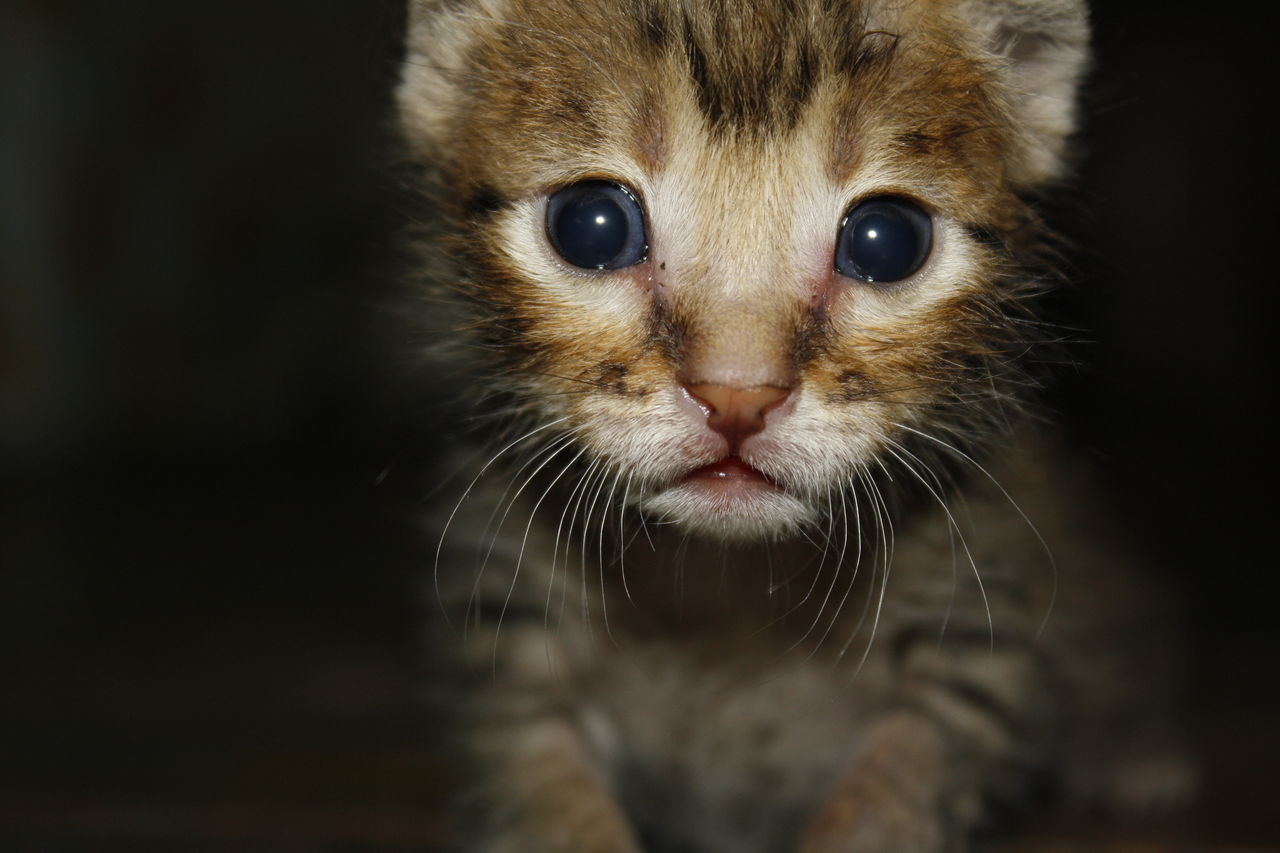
point(212, 451)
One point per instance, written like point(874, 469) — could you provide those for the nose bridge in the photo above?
point(748, 217)
point(740, 298)
point(738, 345)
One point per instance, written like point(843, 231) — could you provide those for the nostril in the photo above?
point(737, 412)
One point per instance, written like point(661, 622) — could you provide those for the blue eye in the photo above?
point(597, 225)
point(883, 239)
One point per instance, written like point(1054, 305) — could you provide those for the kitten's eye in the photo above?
point(597, 225)
point(883, 239)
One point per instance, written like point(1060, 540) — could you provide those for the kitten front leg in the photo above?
point(967, 723)
point(544, 794)
point(889, 800)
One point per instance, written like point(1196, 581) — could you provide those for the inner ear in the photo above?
point(439, 39)
point(1044, 46)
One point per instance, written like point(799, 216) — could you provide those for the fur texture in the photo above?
point(851, 658)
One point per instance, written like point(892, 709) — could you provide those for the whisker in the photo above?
point(604, 520)
point(857, 560)
point(986, 604)
point(817, 575)
point(449, 522)
point(884, 521)
point(861, 475)
point(524, 541)
point(1053, 563)
point(555, 548)
point(603, 475)
point(552, 447)
point(835, 576)
point(622, 538)
point(546, 454)
point(581, 488)
point(475, 589)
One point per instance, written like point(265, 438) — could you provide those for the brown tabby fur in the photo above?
point(862, 663)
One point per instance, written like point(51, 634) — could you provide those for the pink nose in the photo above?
point(737, 413)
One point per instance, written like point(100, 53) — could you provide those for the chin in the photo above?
point(731, 512)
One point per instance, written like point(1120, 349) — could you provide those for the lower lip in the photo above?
point(729, 471)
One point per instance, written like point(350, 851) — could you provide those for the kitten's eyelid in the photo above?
point(584, 274)
point(546, 189)
point(862, 196)
point(590, 274)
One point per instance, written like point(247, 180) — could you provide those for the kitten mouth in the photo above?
point(729, 473)
point(731, 501)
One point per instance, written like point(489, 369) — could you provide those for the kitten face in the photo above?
point(733, 381)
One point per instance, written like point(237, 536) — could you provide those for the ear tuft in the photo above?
point(1044, 45)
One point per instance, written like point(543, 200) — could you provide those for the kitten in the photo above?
point(757, 552)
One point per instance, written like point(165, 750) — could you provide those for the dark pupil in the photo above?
point(591, 230)
point(884, 245)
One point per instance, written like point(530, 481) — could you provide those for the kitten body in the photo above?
point(748, 562)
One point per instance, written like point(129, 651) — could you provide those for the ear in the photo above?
point(1044, 47)
point(440, 37)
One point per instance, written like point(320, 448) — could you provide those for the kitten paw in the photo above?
point(873, 824)
point(889, 802)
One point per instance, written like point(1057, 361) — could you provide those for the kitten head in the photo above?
point(747, 254)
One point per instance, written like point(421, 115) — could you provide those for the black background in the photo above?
point(211, 450)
